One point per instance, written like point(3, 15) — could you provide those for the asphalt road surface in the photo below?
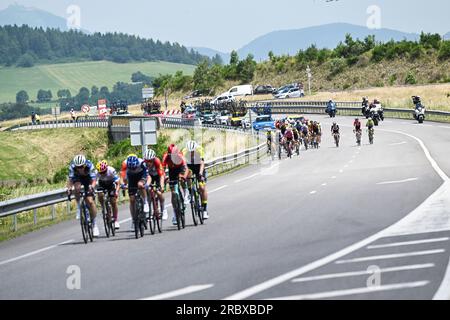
point(369, 222)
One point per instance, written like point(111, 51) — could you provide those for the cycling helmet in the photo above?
point(149, 155)
point(172, 149)
point(79, 161)
point(132, 162)
point(132, 155)
point(102, 166)
point(192, 146)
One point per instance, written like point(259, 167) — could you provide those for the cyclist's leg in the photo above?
point(113, 199)
point(90, 199)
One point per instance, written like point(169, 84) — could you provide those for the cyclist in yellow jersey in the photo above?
point(195, 158)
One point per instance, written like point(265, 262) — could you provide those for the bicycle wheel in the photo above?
point(89, 226)
point(157, 214)
point(152, 214)
point(199, 208)
point(178, 210)
point(110, 219)
point(105, 220)
point(193, 206)
point(83, 223)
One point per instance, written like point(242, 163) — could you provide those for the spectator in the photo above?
point(33, 118)
point(73, 114)
point(38, 119)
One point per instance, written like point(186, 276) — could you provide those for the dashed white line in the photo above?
point(341, 171)
point(313, 192)
point(35, 252)
point(363, 272)
point(407, 243)
point(248, 178)
point(349, 292)
point(218, 189)
point(391, 256)
point(180, 292)
point(324, 184)
point(398, 182)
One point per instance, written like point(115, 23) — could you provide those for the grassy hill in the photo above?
point(73, 76)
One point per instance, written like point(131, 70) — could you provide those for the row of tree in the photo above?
point(23, 46)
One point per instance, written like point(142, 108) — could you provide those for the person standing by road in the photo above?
point(73, 114)
point(33, 118)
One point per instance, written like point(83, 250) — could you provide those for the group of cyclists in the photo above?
point(292, 134)
point(137, 175)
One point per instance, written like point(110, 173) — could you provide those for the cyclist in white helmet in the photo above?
point(82, 173)
point(157, 176)
point(195, 158)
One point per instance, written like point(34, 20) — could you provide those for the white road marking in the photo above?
point(392, 256)
point(180, 292)
point(248, 178)
point(35, 252)
point(333, 177)
point(398, 144)
point(218, 189)
point(324, 184)
point(444, 127)
point(398, 182)
point(313, 192)
point(363, 272)
point(407, 243)
point(341, 171)
point(426, 217)
point(349, 292)
point(351, 161)
point(346, 166)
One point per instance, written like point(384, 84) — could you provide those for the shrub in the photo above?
point(25, 61)
point(392, 79)
point(337, 66)
point(444, 52)
point(410, 78)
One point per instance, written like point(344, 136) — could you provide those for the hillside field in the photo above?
point(73, 76)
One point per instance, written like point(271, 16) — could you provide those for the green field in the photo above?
point(73, 76)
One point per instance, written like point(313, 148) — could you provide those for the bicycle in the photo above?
point(108, 219)
point(358, 137)
point(87, 227)
point(179, 207)
point(139, 219)
point(337, 137)
point(371, 135)
point(155, 218)
point(196, 205)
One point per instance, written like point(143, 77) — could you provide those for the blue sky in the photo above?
point(226, 25)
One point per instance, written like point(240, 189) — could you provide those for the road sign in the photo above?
point(148, 93)
point(56, 111)
point(86, 108)
point(143, 132)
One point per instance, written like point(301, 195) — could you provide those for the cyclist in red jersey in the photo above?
point(174, 160)
point(157, 175)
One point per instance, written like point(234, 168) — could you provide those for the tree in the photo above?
point(44, 95)
point(22, 97)
point(25, 61)
point(217, 60)
point(246, 69)
point(140, 77)
point(82, 96)
point(64, 93)
point(428, 40)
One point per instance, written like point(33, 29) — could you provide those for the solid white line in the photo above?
point(364, 272)
point(349, 292)
point(34, 252)
point(444, 127)
point(248, 178)
point(392, 256)
point(218, 189)
point(397, 182)
point(180, 292)
point(407, 243)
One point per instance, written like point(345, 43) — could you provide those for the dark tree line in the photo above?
point(23, 46)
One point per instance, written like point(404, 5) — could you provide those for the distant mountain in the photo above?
point(211, 53)
point(325, 36)
point(19, 15)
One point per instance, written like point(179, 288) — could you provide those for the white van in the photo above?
point(245, 90)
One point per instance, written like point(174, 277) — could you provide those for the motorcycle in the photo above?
point(331, 110)
point(419, 114)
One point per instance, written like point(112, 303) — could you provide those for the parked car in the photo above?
point(208, 118)
point(264, 122)
point(289, 93)
point(189, 113)
point(223, 119)
point(264, 90)
point(222, 99)
point(245, 90)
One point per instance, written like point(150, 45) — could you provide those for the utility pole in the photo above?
point(308, 71)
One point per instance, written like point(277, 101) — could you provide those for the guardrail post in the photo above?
point(35, 216)
point(15, 223)
point(68, 208)
point(53, 212)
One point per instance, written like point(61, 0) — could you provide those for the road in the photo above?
point(369, 222)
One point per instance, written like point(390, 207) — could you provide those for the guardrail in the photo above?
point(343, 109)
point(33, 202)
point(81, 122)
